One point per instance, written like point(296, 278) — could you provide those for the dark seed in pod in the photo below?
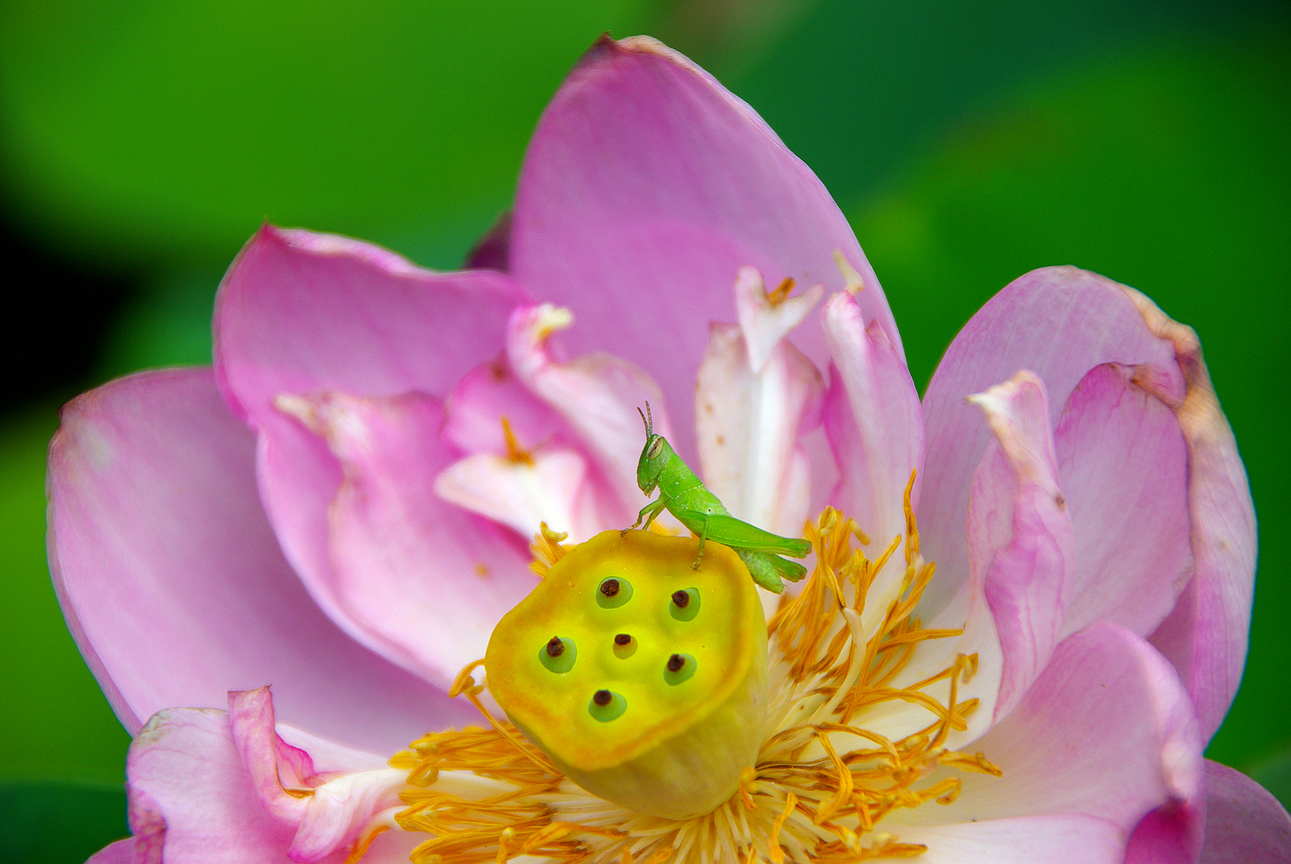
point(675, 662)
point(555, 647)
point(622, 639)
point(681, 598)
point(610, 587)
point(602, 697)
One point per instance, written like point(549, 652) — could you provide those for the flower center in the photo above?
point(694, 739)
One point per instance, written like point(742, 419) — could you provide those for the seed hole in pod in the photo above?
point(684, 605)
point(558, 654)
point(613, 592)
point(606, 705)
point(624, 646)
point(679, 668)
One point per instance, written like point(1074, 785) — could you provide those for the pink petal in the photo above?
point(1244, 823)
point(1206, 635)
point(1106, 731)
point(1020, 539)
point(487, 393)
point(1123, 466)
point(748, 425)
point(1065, 839)
point(412, 575)
point(646, 187)
point(172, 581)
point(120, 852)
point(301, 312)
point(597, 395)
point(1170, 834)
point(1059, 322)
point(306, 313)
point(873, 421)
point(271, 762)
point(186, 775)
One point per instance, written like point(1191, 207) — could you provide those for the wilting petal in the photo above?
point(1019, 533)
point(1123, 467)
point(597, 395)
point(873, 420)
point(645, 188)
point(1206, 635)
point(1065, 839)
point(748, 425)
point(1106, 731)
point(1244, 823)
point(414, 576)
point(173, 584)
point(1059, 322)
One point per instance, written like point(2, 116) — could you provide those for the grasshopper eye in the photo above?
point(656, 447)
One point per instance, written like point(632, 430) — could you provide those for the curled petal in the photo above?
point(173, 584)
point(1123, 467)
point(1106, 731)
point(1059, 322)
point(647, 185)
point(749, 425)
point(1243, 821)
point(873, 420)
point(411, 575)
point(1206, 635)
point(187, 776)
point(1019, 532)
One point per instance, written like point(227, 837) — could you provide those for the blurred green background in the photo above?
point(141, 143)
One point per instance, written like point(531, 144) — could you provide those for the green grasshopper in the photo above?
point(685, 497)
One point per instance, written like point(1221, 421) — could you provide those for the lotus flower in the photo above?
point(1030, 592)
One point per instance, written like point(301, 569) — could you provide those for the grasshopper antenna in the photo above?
point(647, 419)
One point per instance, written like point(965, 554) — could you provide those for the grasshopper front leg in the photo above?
point(703, 537)
point(648, 513)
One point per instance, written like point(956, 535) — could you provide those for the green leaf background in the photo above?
point(966, 145)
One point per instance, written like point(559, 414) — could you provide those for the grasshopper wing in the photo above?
point(730, 531)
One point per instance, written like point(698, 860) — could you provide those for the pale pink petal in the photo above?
point(1244, 823)
point(173, 584)
point(748, 426)
point(873, 420)
point(1206, 636)
point(274, 765)
point(339, 812)
point(1020, 540)
point(1063, 839)
point(1123, 467)
point(550, 486)
point(120, 852)
point(411, 575)
point(1106, 731)
point(645, 188)
point(597, 395)
point(186, 775)
point(1059, 322)
point(763, 322)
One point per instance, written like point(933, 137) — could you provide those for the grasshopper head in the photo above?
point(655, 456)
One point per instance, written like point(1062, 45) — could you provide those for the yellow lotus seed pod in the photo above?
point(644, 680)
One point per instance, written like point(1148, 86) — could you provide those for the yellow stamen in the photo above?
point(781, 291)
point(821, 783)
point(515, 453)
